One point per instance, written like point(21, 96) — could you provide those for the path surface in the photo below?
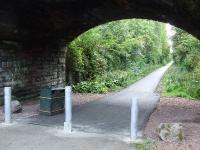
point(111, 114)
point(104, 124)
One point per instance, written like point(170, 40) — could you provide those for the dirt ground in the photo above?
point(176, 110)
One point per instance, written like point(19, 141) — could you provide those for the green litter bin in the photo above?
point(52, 101)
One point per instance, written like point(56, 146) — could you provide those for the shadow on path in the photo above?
point(111, 114)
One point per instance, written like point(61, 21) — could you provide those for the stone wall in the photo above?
point(27, 70)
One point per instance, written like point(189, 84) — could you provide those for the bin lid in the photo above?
point(58, 88)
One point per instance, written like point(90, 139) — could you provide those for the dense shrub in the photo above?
point(179, 82)
point(101, 52)
point(183, 79)
point(114, 80)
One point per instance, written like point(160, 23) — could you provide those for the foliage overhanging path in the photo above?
point(111, 114)
point(183, 79)
point(116, 54)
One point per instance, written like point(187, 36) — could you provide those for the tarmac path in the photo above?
point(111, 114)
point(100, 125)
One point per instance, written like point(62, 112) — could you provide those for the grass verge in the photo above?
point(181, 83)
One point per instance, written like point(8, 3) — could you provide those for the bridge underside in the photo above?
point(33, 32)
point(44, 21)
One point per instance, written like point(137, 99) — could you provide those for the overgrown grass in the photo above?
point(112, 81)
point(142, 147)
point(146, 145)
point(181, 83)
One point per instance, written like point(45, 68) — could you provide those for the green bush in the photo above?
point(180, 82)
point(90, 87)
point(183, 79)
point(111, 81)
point(118, 45)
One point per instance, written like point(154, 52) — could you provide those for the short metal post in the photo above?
point(134, 118)
point(7, 104)
point(68, 110)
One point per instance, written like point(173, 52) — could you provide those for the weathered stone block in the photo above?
point(171, 132)
point(16, 107)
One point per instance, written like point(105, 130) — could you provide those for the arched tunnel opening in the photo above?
point(49, 65)
point(142, 44)
point(34, 36)
point(106, 56)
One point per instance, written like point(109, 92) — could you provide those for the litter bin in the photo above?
point(52, 101)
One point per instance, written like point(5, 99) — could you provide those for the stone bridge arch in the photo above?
point(33, 34)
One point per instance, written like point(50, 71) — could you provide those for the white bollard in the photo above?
point(68, 110)
point(7, 104)
point(134, 118)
